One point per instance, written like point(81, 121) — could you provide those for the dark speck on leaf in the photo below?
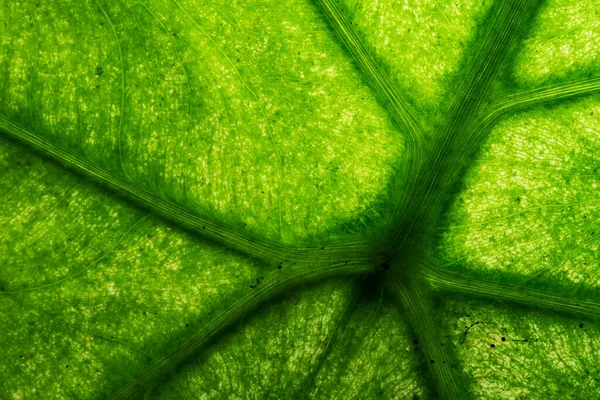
point(99, 70)
point(385, 266)
point(503, 339)
point(279, 267)
point(432, 361)
point(416, 341)
point(581, 325)
point(258, 280)
point(492, 345)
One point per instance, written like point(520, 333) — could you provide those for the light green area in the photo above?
point(246, 113)
point(542, 356)
point(275, 139)
point(564, 43)
point(420, 42)
point(530, 207)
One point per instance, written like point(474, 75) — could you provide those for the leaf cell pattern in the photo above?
point(321, 199)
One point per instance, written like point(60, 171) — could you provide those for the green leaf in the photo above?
point(320, 199)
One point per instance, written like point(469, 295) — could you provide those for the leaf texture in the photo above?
point(299, 199)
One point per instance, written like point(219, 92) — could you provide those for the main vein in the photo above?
point(509, 21)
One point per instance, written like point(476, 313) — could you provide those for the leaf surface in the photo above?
point(322, 199)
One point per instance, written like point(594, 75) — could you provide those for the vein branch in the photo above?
point(527, 99)
point(260, 248)
point(394, 102)
point(412, 220)
point(437, 175)
point(545, 94)
point(274, 283)
point(336, 337)
point(418, 305)
point(456, 283)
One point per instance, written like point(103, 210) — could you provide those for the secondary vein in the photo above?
point(456, 283)
point(275, 283)
point(241, 241)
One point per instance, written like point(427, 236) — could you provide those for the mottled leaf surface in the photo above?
point(349, 199)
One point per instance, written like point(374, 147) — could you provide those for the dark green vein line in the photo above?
point(33, 70)
point(187, 84)
point(48, 212)
point(457, 283)
point(395, 103)
point(418, 306)
point(55, 319)
point(361, 285)
point(252, 91)
point(412, 220)
point(84, 269)
point(74, 65)
point(397, 107)
point(544, 95)
point(253, 246)
point(525, 100)
point(275, 283)
point(122, 105)
point(509, 20)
